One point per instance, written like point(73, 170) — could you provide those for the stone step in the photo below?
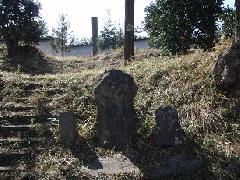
point(53, 91)
point(26, 92)
point(177, 166)
point(48, 91)
point(22, 149)
point(18, 128)
point(16, 131)
point(22, 98)
point(24, 120)
point(19, 142)
point(17, 116)
point(21, 131)
point(10, 114)
point(5, 169)
point(16, 107)
point(10, 158)
point(10, 134)
point(32, 86)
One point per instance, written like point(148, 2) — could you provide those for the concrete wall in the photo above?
point(75, 51)
point(84, 50)
point(45, 46)
point(141, 44)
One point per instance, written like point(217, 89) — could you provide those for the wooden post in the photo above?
point(129, 30)
point(237, 35)
point(95, 35)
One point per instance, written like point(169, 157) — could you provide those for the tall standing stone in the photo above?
point(168, 131)
point(116, 117)
point(67, 129)
point(226, 71)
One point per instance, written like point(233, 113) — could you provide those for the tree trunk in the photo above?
point(129, 30)
point(12, 45)
point(237, 36)
point(211, 33)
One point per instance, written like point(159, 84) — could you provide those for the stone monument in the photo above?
point(116, 118)
point(67, 129)
point(168, 131)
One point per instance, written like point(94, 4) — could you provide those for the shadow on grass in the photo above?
point(181, 162)
point(189, 161)
point(28, 59)
point(85, 153)
point(218, 165)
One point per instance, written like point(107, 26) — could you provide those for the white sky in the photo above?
point(79, 13)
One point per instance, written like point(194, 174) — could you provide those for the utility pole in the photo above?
point(129, 30)
point(95, 35)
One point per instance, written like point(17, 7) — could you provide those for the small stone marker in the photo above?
point(116, 119)
point(168, 131)
point(67, 128)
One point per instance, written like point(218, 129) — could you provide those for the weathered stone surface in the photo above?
point(168, 131)
point(67, 128)
point(1, 86)
point(116, 120)
point(114, 165)
point(176, 166)
point(1, 82)
point(226, 70)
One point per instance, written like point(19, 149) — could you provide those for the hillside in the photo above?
point(209, 117)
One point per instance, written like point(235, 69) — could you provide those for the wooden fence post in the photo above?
point(129, 30)
point(95, 35)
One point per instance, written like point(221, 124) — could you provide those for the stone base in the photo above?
point(111, 166)
point(118, 165)
point(176, 166)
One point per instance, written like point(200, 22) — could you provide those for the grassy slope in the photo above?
point(210, 119)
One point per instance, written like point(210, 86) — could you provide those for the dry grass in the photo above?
point(210, 118)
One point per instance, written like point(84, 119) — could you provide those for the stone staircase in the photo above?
point(23, 133)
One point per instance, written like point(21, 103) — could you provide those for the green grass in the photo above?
point(210, 118)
